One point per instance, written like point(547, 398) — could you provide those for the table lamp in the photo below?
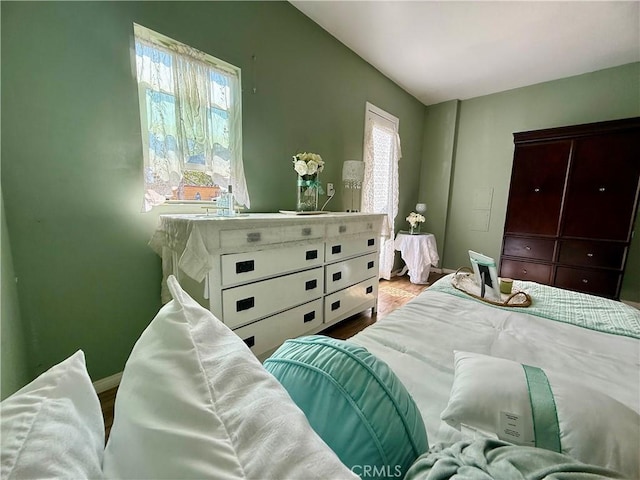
point(421, 208)
point(352, 177)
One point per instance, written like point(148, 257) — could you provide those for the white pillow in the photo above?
point(53, 427)
point(194, 402)
point(493, 395)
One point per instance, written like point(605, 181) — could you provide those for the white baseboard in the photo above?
point(107, 383)
point(447, 270)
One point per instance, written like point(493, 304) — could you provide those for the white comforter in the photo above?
point(418, 340)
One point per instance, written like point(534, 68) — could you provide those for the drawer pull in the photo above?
point(602, 189)
point(246, 266)
point(584, 280)
point(528, 248)
point(336, 249)
point(245, 304)
point(337, 276)
point(311, 254)
point(370, 264)
point(335, 305)
point(311, 284)
point(306, 231)
point(342, 228)
point(524, 272)
point(537, 190)
point(251, 341)
point(589, 255)
point(309, 316)
point(369, 289)
point(371, 242)
point(253, 237)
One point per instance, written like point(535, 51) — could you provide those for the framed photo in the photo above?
point(486, 274)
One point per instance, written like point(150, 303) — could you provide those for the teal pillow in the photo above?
point(354, 402)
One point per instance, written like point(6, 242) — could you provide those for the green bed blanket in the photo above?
point(587, 311)
point(490, 459)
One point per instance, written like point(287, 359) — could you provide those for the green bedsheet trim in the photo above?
point(587, 311)
point(546, 428)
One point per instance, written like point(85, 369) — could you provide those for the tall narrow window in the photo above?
point(380, 187)
point(191, 118)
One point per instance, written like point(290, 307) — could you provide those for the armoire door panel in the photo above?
point(603, 186)
point(537, 187)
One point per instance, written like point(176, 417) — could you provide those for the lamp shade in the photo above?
point(421, 207)
point(353, 171)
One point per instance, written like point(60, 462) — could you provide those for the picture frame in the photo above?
point(486, 274)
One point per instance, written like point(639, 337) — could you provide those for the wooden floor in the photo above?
point(391, 294)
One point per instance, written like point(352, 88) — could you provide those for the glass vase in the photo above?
point(307, 193)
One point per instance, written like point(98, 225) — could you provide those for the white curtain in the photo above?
point(382, 154)
point(191, 118)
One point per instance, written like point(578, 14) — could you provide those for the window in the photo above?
point(380, 187)
point(191, 119)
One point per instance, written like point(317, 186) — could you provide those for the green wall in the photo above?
point(14, 366)
point(72, 158)
point(484, 151)
point(437, 155)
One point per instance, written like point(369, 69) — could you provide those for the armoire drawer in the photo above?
point(534, 248)
point(339, 248)
point(533, 272)
point(244, 304)
point(349, 301)
point(597, 282)
point(269, 333)
point(342, 274)
point(591, 254)
point(249, 266)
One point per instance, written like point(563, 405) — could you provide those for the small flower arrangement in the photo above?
point(415, 219)
point(307, 163)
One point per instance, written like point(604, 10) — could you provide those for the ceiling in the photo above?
point(443, 50)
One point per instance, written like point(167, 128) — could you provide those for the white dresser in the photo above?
point(270, 277)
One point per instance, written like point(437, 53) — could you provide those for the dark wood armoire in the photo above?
point(572, 203)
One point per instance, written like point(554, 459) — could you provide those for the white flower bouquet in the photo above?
point(307, 163)
point(308, 166)
point(415, 219)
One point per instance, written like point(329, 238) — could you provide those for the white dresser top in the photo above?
point(195, 238)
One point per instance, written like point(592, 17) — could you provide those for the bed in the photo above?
point(194, 402)
point(582, 339)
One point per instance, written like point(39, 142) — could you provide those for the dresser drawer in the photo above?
point(534, 248)
point(342, 274)
point(591, 254)
point(269, 235)
point(250, 237)
point(533, 272)
point(350, 228)
point(269, 333)
point(244, 304)
point(350, 301)
point(339, 248)
point(245, 267)
point(597, 282)
point(302, 232)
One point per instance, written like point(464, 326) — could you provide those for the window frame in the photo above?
point(161, 41)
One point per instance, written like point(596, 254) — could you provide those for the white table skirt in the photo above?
point(419, 252)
